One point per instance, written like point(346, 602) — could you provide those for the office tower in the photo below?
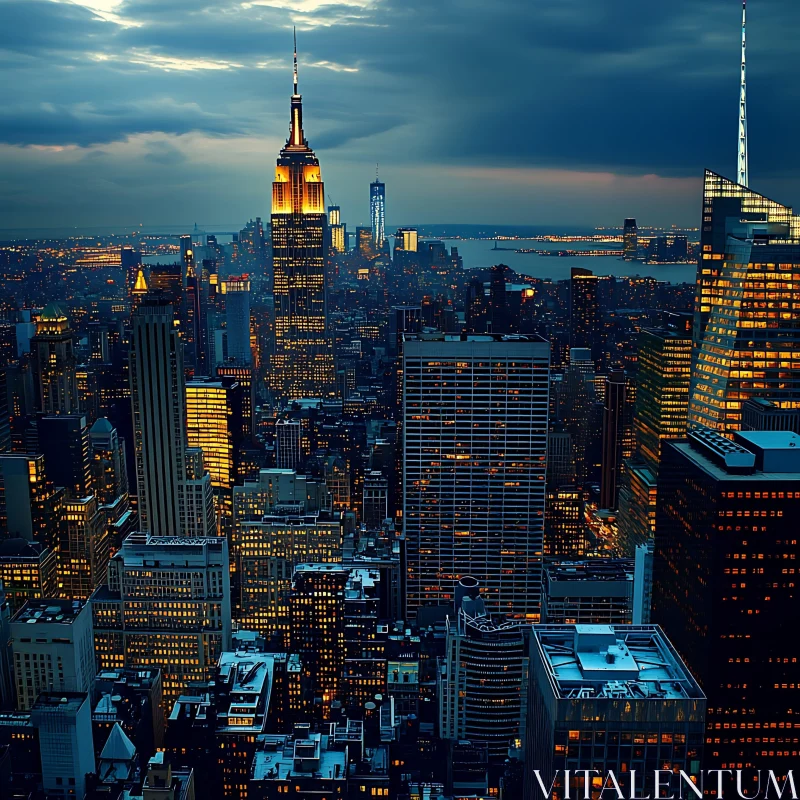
point(302, 365)
point(742, 163)
point(759, 414)
point(288, 444)
point(52, 643)
point(30, 506)
point(316, 629)
point(475, 445)
point(577, 400)
point(159, 419)
point(214, 424)
point(64, 442)
point(244, 377)
point(166, 284)
point(744, 334)
point(481, 684)
point(84, 548)
point(108, 462)
point(28, 570)
point(192, 317)
point(236, 290)
point(726, 533)
point(183, 627)
point(64, 723)
point(376, 499)
point(377, 212)
point(560, 457)
point(612, 433)
point(630, 240)
point(7, 689)
point(597, 591)
point(662, 406)
point(198, 511)
point(565, 531)
point(337, 229)
point(54, 363)
point(609, 698)
point(268, 550)
point(584, 311)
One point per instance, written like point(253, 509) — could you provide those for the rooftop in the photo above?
point(593, 569)
point(483, 338)
point(613, 661)
point(281, 758)
point(49, 611)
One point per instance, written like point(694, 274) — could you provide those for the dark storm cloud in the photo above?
point(624, 86)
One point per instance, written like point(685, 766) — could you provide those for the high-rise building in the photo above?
point(159, 419)
point(723, 590)
point(609, 698)
point(565, 531)
point(244, 377)
point(584, 311)
point(377, 212)
point(759, 414)
point(183, 626)
point(746, 303)
point(30, 506)
point(338, 230)
point(475, 445)
point(28, 570)
point(630, 240)
point(52, 645)
point(267, 552)
point(236, 290)
point(376, 499)
point(7, 689)
point(108, 462)
point(612, 434)
point(55, 364)
point(64, 443)
point(63, 721)
point(597, 591)
point(662, 405)
point(84, 548)
point(214, 424)
point(302, 364)
point(316, 628)
point(288, 444)
point(481, 681)
point(192, 316)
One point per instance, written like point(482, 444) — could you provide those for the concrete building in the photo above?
point(53, 649)
point(611, 698)
point(64, 723)
point(474, 447)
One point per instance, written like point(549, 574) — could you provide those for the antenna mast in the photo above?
point(743, 177)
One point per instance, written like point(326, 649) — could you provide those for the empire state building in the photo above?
point(302, 365)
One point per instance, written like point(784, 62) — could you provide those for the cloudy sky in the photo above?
point(120, 112)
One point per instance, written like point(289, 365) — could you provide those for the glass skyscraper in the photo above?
point(746, 336)
point(377, 212)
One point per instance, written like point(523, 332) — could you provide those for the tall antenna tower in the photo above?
point(743, 177)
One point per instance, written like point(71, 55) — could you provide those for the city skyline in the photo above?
point(156, 113)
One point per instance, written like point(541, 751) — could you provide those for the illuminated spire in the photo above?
point(743, 171)
point(141, 283)
point(294, 31)
point(296, 138)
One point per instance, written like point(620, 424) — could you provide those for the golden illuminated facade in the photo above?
point(302, 364)
point(55, 363)
point(28, 571)
point(167, 605)
point(268, 552)
point(746, 334)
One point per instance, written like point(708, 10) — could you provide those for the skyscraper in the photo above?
point(338, 230)
point(377, 212)
point(183, 626)
point(159, 419)
point(742, 162)
point(723, 587)
point(236, 290)
point(302, 364)
point(662, 405)
point(611, 464)
point(55, 364)
point(475, 445)
point(745, 331)
point(584, 311)
point(630, 240)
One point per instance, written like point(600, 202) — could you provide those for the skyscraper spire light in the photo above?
point(294, 31)
point(743, 171)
